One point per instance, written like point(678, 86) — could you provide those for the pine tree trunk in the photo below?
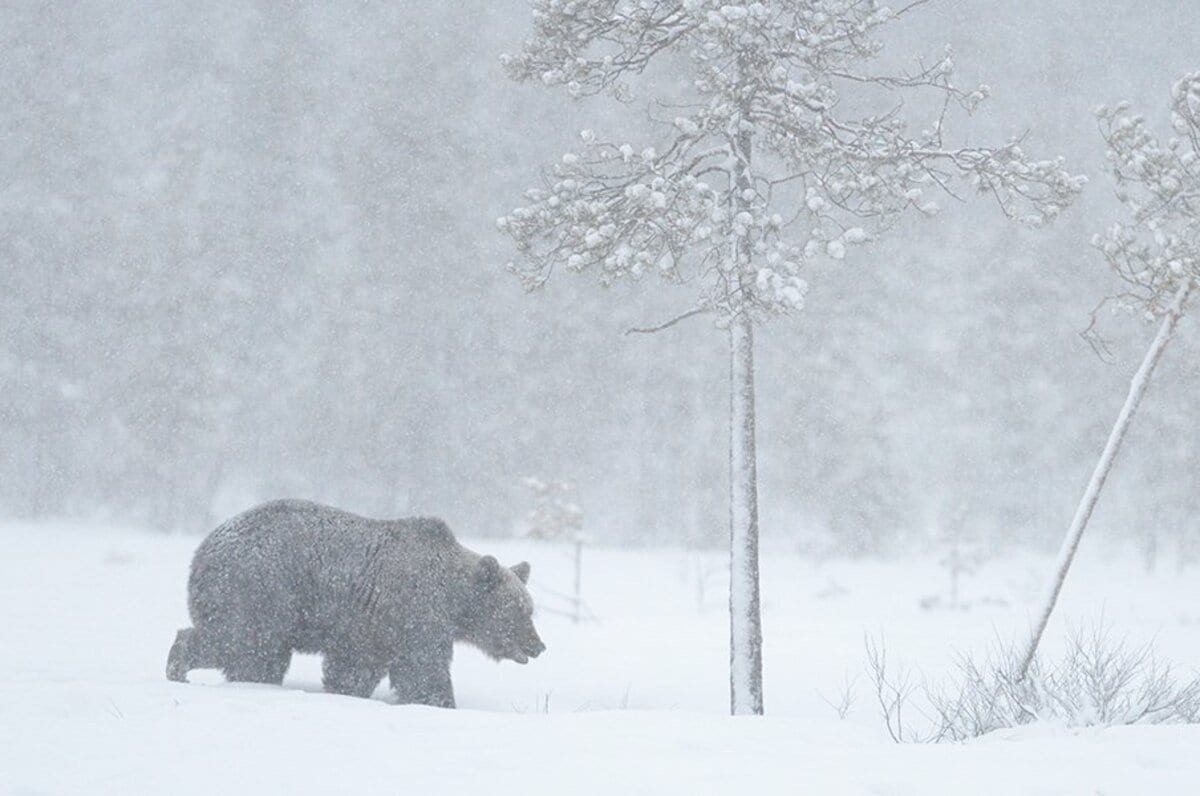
point(745, 623)
point(745, 626)
point(1137, 389)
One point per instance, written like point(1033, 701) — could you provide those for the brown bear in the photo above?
point(374, 597)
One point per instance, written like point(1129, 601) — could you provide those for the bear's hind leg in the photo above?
point(264, 663)
point(193, 649)
point(179, 658)
point(343, 674)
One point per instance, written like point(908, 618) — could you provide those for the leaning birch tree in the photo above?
point(773, 127)
point(1157, 254)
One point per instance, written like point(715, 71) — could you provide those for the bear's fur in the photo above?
point(374, 597)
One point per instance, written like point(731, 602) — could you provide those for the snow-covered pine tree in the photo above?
point(1157, 254)
point(555, 516)
point(765, 134)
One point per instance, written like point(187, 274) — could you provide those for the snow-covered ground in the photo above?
point(634, 703)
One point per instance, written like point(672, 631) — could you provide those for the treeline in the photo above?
point(248, 252)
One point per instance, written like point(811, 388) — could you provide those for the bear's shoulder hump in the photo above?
point(432, 528)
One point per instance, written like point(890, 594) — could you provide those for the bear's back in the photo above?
point(305, 541)
point(313, 567)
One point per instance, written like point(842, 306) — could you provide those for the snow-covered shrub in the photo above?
point(557, 518)
point(962, 555)
point(1096, 681)
point(554, 515)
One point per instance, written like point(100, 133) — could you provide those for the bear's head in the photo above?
point(499, 616)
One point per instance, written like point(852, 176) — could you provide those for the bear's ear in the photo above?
point(487, 574)
point(522, 571)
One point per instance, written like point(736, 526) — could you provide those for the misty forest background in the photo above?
point(249, 251)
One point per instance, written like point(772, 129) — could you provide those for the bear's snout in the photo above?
point(536, 648)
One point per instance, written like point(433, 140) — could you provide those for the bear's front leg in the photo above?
point(421, 675)
point(349, 675)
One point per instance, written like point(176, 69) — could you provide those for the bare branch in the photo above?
point(670, 323)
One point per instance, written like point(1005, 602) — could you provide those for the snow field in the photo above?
point(634, 703)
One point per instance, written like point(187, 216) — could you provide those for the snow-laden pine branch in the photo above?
point(1158, 247)
point(774, 73)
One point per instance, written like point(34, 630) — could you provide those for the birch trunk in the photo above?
point(745, 624)
point(1137, 389)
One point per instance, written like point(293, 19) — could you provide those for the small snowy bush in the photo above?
point(1096, 681)
point(554, 515)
